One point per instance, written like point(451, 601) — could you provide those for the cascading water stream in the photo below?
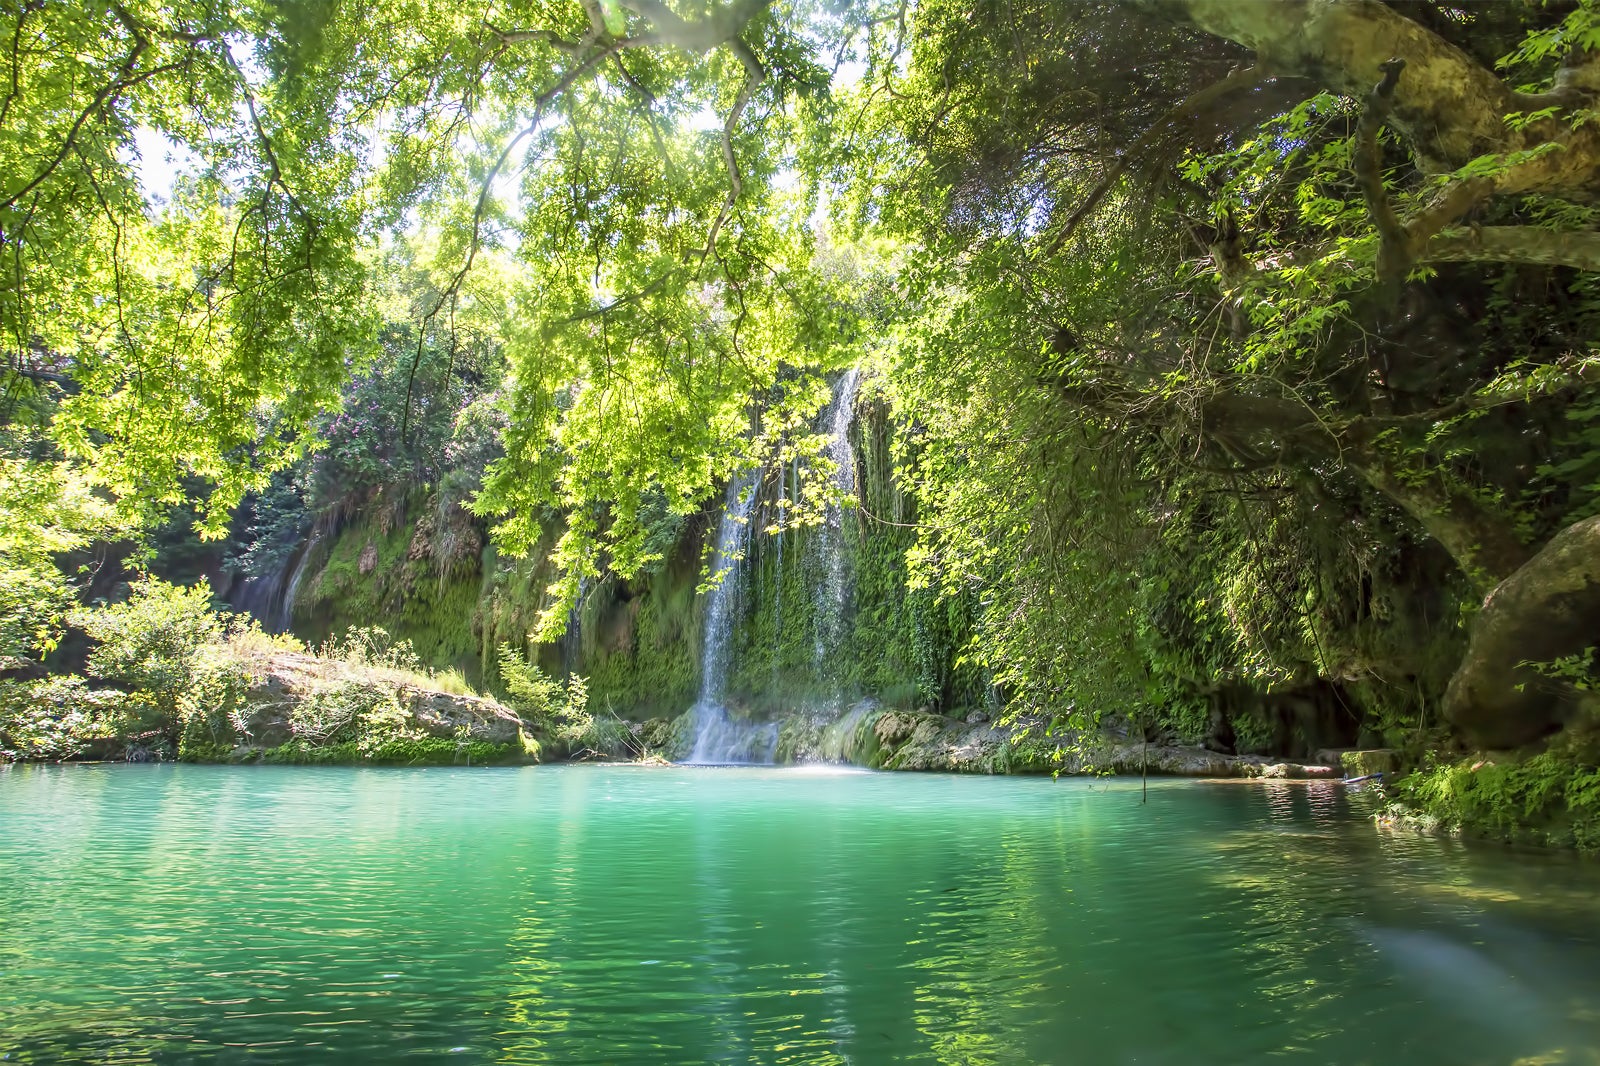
point(829, 544)
point(291, 591)
point(571, 642)
point(718, 738)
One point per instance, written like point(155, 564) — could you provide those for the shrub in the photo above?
point(56, 717)
point(178, 657)
point(562, 709)
point(151, 641)
point(1550, 798)
point(372, 646)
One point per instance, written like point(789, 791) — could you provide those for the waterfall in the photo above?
point(718, 738)
point(269, 597)
point(834, 593)
point(258, 596)
point(777, 583)
point(571, 641)
point(285, 616)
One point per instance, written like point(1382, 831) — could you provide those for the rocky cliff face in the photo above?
point(825, 618)
point(823, 622)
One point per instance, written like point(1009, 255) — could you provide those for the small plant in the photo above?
point(562, 709)
point(372, 646)
point(452, 681)
point(247, 638)
point(1578, 669)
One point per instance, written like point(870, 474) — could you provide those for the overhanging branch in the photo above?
point(1515, 244)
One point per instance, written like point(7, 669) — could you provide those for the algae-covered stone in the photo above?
point(1371, 761)
point(335, 711)
point(1546, 610)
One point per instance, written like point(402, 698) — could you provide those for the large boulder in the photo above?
point(283, 683)
point(1546, 610)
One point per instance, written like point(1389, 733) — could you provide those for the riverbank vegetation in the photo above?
point(1227, 370)
point(170, 678)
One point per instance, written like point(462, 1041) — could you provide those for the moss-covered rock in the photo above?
point(1387, 761)
point(1548, 798)
point(304, 708)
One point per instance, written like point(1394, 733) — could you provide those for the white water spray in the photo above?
point(832, 603)
point(291, 590)
point(718, 738)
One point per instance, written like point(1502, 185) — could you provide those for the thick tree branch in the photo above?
point(1449, 108)
point(1179, 118)
point(1401, 244)
point(1393, 253)
point(550, 37)
point(755, 74)
point(1528, 245)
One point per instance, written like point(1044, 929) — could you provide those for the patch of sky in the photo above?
point(159, 161)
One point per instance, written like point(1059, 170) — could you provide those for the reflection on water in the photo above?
point(619, 914)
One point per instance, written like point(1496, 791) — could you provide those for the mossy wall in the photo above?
point(401, 566)
point(639, 642)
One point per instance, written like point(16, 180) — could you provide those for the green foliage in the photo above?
point(168, 646)
point(275, 522)
point(47, 509)
point(372, 646)
point(56, 718)
point(392, 751)
point(155, 640)
point(181, 324)
point(1578, 31)
point(1551, 798)
point(361, 719)
point(563, 709)
point(187, 680)
point(1579, 468)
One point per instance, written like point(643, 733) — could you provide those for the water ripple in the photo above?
point(584, 914)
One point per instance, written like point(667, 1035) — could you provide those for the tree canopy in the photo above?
point(1178, 302)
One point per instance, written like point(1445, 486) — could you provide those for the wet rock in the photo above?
point(442, 714)
point(1372, 761)
point(1544, 611)
point(894, 728)
point(912, 741)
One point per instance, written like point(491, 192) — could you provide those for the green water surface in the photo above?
point(628, 915)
